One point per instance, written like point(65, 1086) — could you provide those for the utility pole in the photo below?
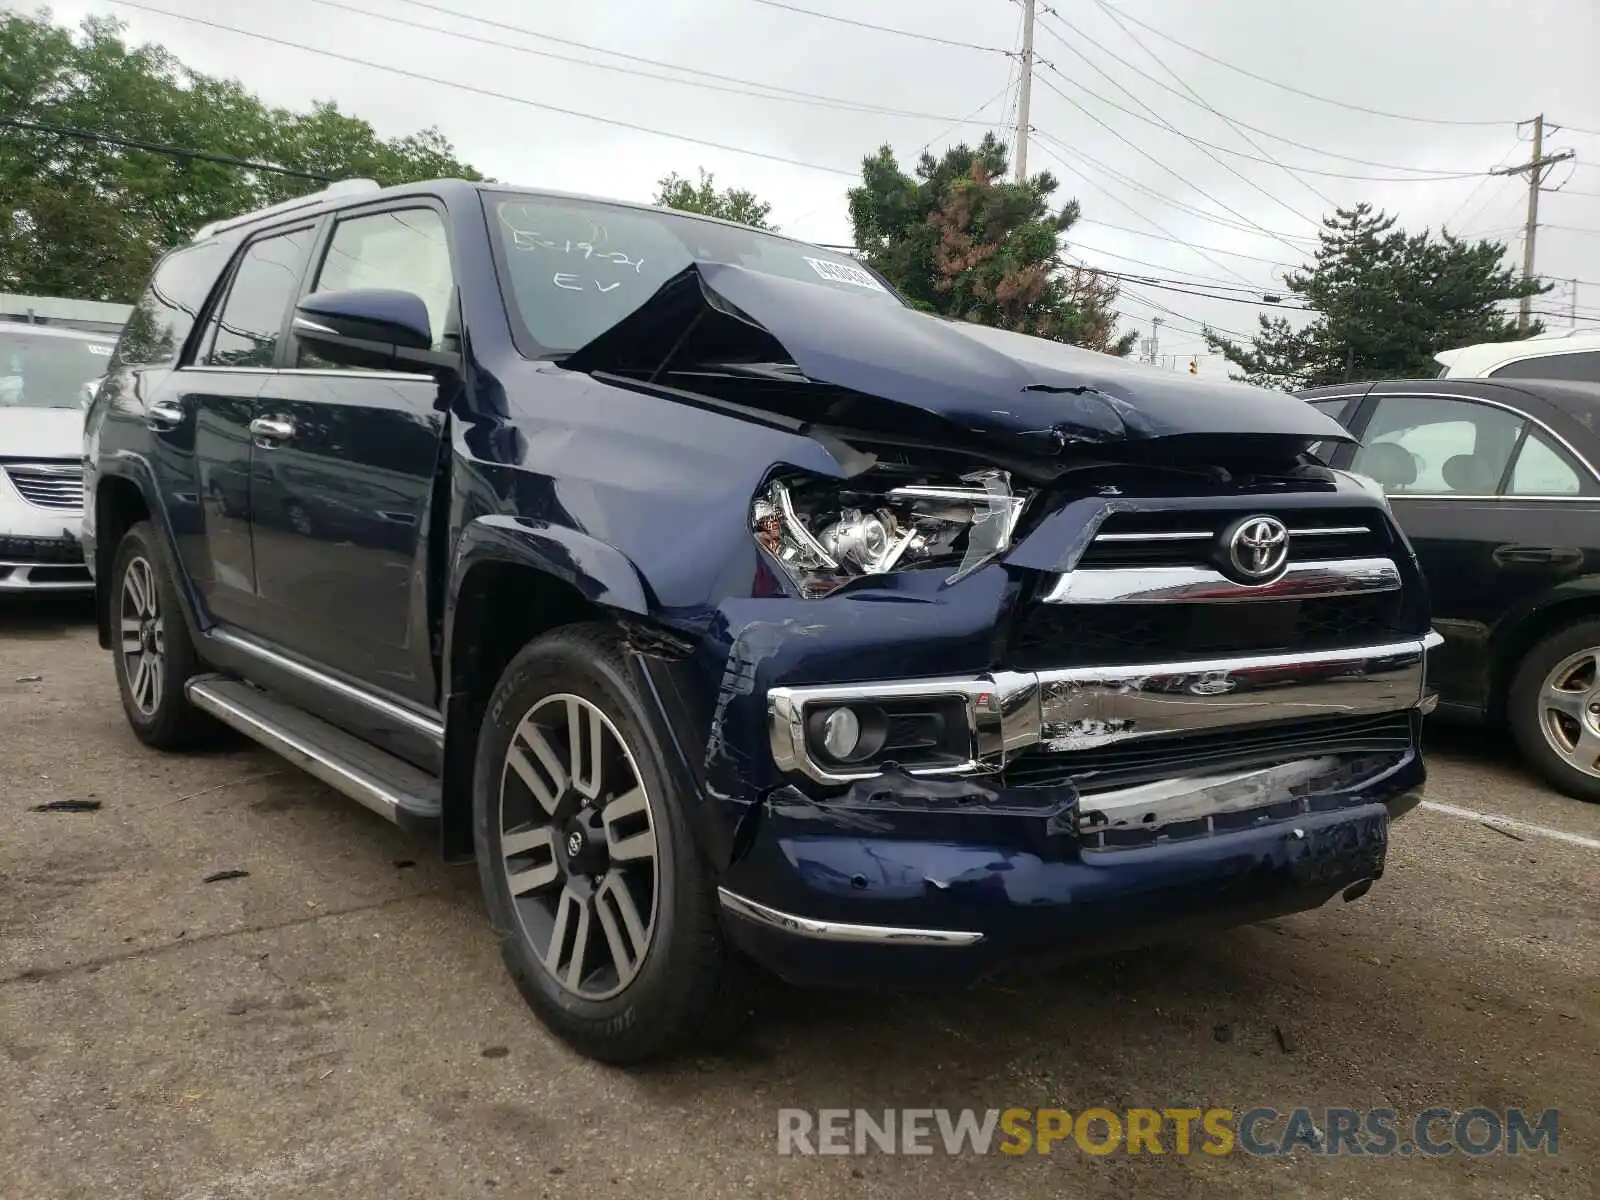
point(1152, 348)
point(1572, 320)
point(1535, 172)
point(1025, 91)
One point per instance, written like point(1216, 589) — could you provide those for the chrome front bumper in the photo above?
point(1079, 708)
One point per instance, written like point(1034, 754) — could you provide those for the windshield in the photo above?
point(44, 371)
point(576, 267)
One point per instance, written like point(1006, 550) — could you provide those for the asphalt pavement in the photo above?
point(228, 981)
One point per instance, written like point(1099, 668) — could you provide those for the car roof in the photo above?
point(1479, 359)
point(346, 192)
point(29, 330)
point(1573, 400)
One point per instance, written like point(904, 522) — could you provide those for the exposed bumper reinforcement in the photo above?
point(1083, 707)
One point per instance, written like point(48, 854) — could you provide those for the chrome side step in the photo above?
point(389, 786)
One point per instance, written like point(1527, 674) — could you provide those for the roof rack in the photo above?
point(342, 187)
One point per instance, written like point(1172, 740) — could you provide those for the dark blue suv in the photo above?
point(724, 607)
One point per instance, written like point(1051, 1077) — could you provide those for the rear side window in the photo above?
point(1582, 368)
point(1437, 445)
point(1543, 469)
point(160, 323)
point(244, 332)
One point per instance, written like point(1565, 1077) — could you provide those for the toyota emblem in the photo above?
point(1257, 549)
point(574, 844)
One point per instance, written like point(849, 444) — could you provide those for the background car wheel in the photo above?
point(151, 648)
point(1554, 709)
point(589, 868)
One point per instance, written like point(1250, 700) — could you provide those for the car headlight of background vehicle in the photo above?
point(825, 532)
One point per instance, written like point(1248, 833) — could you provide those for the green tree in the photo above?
point(731, 204)
point(85, 219)
point(1386, 302)
point(958, 241)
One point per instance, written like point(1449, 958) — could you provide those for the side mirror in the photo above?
point(368, 327)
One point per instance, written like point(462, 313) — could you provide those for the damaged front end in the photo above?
point(1065, 654)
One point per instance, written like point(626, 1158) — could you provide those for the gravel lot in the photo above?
point(337, 1022)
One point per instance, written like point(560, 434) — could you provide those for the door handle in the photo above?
point(269, 431)
point(164, 415)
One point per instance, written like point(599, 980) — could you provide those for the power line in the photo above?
point(1092, 65)
point(1478, 187)
point(743, 87)
point(1188, 242)
point(1232, 124)
point(1145, 281)
point(1376, 112)
point(179, 152)
point(481, 91)
point(1045, 146)
point(907, 33)
point(1181, 205)
point(1246, 221)
point(1193, 277)
point(1433, 177)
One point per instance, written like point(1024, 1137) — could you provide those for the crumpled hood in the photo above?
point(41, 432)
point(985, 380)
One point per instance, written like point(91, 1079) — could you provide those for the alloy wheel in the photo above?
point(143, 637)
point(1569, 710)
point(578, 846)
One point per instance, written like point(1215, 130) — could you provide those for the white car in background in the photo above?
point(1573, 356)
point(44, 373)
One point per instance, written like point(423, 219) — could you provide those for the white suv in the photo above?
point(1573, 356)
point(45, 373)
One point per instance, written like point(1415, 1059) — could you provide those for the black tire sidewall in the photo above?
point(172, 708)
point(1524, 717)
point(583, 661)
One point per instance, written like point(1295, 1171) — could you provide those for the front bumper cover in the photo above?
point(1086, 707)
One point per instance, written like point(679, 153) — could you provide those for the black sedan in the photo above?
point(1495, 483)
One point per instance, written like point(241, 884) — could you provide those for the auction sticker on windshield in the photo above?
point(836, 272)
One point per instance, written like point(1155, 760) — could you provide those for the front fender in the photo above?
point(600, 573)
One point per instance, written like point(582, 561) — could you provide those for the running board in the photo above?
point(389, 786)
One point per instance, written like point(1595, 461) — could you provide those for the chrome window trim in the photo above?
point(840, 931)
point(332, 373)
point(1482, 496)
point(1083, 707)
point(1161, 585)
point(417, 722)
point(1510, 408)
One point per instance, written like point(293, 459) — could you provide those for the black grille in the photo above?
point(1189, 539)
point(41, 550)
point(1145, 760)
point(1076, 635)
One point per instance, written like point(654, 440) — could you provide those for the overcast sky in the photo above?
point(1493, 61)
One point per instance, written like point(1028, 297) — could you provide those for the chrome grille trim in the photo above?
point(1160, 585)
point(57, 486)
point(1084, 707)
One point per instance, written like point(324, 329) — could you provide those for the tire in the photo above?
point(1559, 659)
point(623, 1005)
point(153, 697)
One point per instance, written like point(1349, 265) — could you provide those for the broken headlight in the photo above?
point(825, 532)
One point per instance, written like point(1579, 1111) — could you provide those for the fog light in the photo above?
point(841, 733)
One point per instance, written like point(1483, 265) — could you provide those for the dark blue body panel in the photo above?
point(641, 505)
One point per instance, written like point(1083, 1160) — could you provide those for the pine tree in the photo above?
point(958, 241)
point(1386, 303)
